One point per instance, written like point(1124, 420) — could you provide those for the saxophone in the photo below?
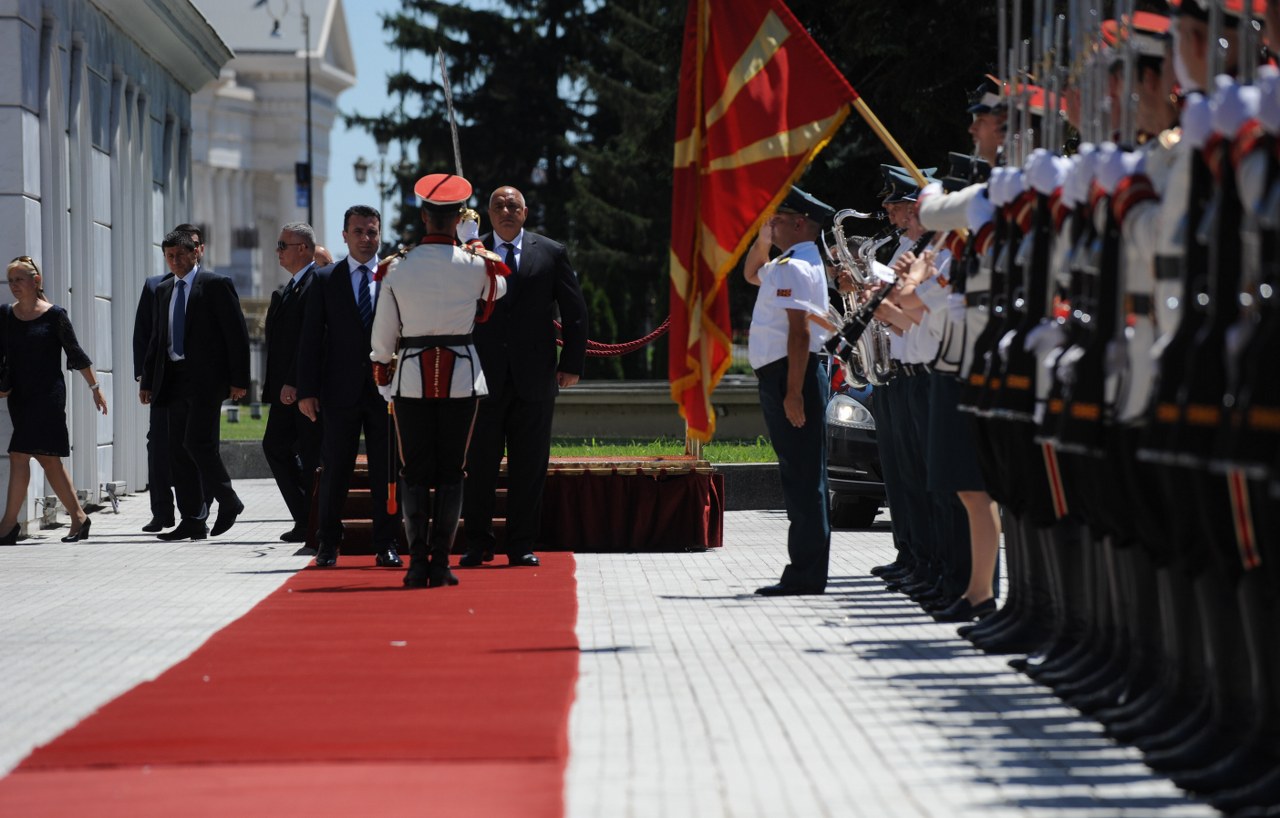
point(865, 355)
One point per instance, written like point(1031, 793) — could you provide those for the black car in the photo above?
point(854, 482)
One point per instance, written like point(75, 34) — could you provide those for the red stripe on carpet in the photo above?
point(344, 665)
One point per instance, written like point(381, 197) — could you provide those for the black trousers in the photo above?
point(194, 456)
point(340, 442)
point(523, 429)
point(802, 468)
point(433, 439)
point(291, 444)
point(159, 473)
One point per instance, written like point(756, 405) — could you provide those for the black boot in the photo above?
point(416, 503)
point(444, 526)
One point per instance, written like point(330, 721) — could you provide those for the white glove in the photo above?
point(998, 186)
point(978, 212)
point(931, 189)
point(1043, 171)
point(1043, 337)
point(1075, 188)
point(1197, 121)
point(1116, 165)
point(468, 230)
point(1269, 98)
point(1233, 105)
point(387, 392)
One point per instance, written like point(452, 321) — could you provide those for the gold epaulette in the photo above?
point(385, 264)
point(1170, 137)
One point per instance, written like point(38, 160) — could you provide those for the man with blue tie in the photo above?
point(198, 356)
point(335, 378)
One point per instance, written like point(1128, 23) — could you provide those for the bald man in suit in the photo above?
point(517, 348)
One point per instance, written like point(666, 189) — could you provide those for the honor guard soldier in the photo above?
point(426, 365)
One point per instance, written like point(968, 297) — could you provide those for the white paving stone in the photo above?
point(697, 698)
point(81, 623)
point(694, 698)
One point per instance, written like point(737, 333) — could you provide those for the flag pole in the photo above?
point(693, 445)
point(860, 105)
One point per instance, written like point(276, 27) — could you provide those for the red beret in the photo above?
point(442, 189)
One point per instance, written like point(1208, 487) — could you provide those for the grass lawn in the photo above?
point(247, 428)
point(717, 451)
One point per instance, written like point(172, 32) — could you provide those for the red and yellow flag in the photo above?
point(758, 100)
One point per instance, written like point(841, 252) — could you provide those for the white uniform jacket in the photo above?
point(433, 291)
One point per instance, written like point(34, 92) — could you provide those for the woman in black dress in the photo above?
point(33, 335)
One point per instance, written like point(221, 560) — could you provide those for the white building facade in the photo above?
point(95, 106)
point(250, 132)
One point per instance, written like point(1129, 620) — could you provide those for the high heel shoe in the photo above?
point(82, 533)
point(12, 537)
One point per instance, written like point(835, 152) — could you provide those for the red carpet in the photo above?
point(340, 694)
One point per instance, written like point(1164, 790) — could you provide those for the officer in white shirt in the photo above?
point(782, 348)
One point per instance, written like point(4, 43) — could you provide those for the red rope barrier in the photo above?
point(595, 349)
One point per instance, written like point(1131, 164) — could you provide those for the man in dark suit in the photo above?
point(159, 475)
point(197, 357)
point(335, 376)
point(517, 348)
point(291, 443)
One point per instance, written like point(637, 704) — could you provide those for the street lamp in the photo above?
point(385, 181)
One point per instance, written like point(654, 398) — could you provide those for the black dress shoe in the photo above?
point(82, 533)
point(296, 534)
point(326, 556)
point(527, 560)
point(887, 568)
point(963, 611)
point(227, 514)
point(788, 590)
point(157, 524)
point(12, 537)
point(475, 557)
point(186, 530)
point(388, 558)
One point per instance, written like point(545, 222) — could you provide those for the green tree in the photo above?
point(573, 101)
point(914, 64)
point(505, 65)
point(621, 213)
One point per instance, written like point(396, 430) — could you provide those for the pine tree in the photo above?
point(505, 66)
point(621, 213)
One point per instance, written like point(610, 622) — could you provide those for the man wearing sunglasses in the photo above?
point(290, 442)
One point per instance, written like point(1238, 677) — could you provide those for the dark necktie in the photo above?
point(288, 290)
point(510, 258)
point(180, 319)
point(364, 302)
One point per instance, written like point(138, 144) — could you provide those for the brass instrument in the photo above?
point(866, 360)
